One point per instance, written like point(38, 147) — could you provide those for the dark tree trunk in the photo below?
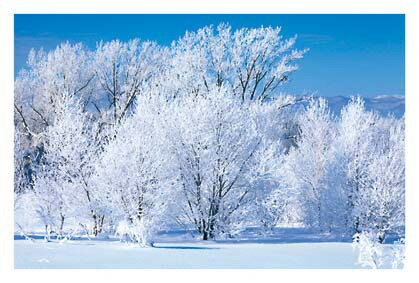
point(205, 236)
point(97, 223)
point(47, 234)
point(62, 223)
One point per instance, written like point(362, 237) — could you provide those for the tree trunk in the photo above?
point(205, 235)
point(356, 225)
point(47, 234)
point(95, 228)
point(208, 232)
point(97, 223)
point(319, 207)
point(62, 224)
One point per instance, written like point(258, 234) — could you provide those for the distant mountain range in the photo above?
point(383, 104)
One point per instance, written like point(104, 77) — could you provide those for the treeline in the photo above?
point(132, 137)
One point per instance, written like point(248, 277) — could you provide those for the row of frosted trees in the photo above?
point(133, 137)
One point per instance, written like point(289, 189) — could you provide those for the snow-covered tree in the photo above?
point(123, 70)
point(133, 175)
point(23, 170)
point(353, 147)
point(40, 91)
point(304, 171)
point(381, 201)
point(253, 62)
point(50, 76)
point(60, 185)
point(370, 153)
point(216, 146)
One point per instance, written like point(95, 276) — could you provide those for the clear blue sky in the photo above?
point(349, 54)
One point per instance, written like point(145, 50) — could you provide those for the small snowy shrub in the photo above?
point(398, 252)
point(135, 232)
point(373, 254)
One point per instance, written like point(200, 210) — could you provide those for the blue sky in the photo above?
point(349, 54)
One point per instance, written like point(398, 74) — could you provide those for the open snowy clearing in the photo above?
point(283, 248)
point(114, 254)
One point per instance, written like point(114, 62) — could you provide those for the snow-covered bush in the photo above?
point(373, 254)
point(398, 254)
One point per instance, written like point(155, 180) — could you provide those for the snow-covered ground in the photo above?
point(113, 254)
point(286, 248)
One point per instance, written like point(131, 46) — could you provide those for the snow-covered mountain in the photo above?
point(384, 104)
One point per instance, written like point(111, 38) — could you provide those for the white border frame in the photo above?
point(10, 7)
